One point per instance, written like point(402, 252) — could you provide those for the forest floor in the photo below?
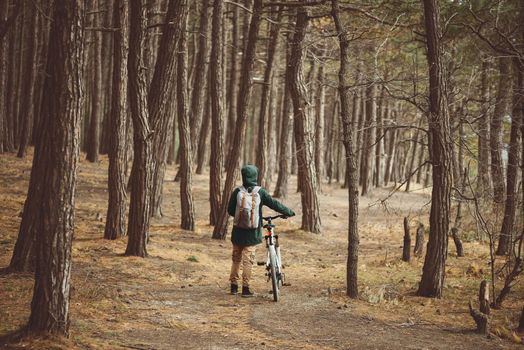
point(178, 297)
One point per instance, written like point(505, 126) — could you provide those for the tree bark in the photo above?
point(406, 249)
point(284, 157)
point(319, 126)
point(160, 94)
point(204, 134)
point(419, 241)
point(186, 158)
point(141, 175)
point(302, 131)
point(197, 94)
point(497, 131)
point(484, 179)
point(232, 90)
point(409, 173)
point(244, 97)
point(349, 144)
point(217, 119)
point(116, 208)
point(93, 136)
point(261, 153)
point(510, 207)
point(369, 138)
point(55, 167)
point(27, 85)
point(432, 282)
point(481, 316)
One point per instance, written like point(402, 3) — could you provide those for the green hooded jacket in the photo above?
point(249, 237)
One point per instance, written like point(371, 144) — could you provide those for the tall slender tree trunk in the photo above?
point(484, 179)
point(197, 95)
point(261, 152)
point(204, 134)
point(215, 81)
point(186, 158)
point(432, 282)
point(284, 158)
point(303, 138)
point(349, 145)
point(27, 85)
point(141, 177)
point(232, 89)
point(409, 172)
point(116, 208)
point(319, 125)
point(93, 136)
point(369, 138)
point(160, 95)
point(58, 152)
point(246, 87)
point(510, 208)
point(497, 131)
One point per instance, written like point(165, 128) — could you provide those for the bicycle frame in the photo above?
point(274, 273)
point(272, 240)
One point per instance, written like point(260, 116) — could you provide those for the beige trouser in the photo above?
point(246, 256)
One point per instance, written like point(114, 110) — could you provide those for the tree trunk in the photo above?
point(261, 153)
point(369, 138)
point(217, 119)
point(27, 85)
point(457, 241)
point(419, 241)
point(107, 82)
point(410, 173)
point(272, 130)
point(319, 125)
point(204, 134)
point(432, 282)
point(484, 180)
point(510, 207)
point(232, 90)
point(481, 316)
point(406, 249)
point(349, 144)
point(390, 154)
point(497, 131)
point(197, 95)
point(57, 158)
point(244, 97)
point(303, 138)
point(186, 158)
point(160, 95)
point(116, 209)
point(284, 157)
point(93, 136)
point(141, 175)
point(379, 147)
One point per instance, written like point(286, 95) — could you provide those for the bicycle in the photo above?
point(274, 262)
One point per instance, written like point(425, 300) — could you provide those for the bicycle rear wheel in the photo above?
point(273, 271)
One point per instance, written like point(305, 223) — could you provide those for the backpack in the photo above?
point(247, 212)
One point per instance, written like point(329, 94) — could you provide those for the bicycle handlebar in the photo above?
point(281, 216)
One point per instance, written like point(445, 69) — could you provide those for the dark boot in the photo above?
point(246, 293)
point(234, 288)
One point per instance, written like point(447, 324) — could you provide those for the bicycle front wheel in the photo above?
point(273, 270)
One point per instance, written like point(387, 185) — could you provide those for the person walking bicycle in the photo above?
point(245, 205)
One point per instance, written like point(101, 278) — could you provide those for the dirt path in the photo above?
point(177, 298)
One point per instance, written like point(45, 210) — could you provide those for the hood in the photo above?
point(249, 176)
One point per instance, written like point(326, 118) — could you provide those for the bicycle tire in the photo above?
point(273, 271)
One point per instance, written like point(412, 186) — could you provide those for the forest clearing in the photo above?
point(370, 151)
point(178, 297)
